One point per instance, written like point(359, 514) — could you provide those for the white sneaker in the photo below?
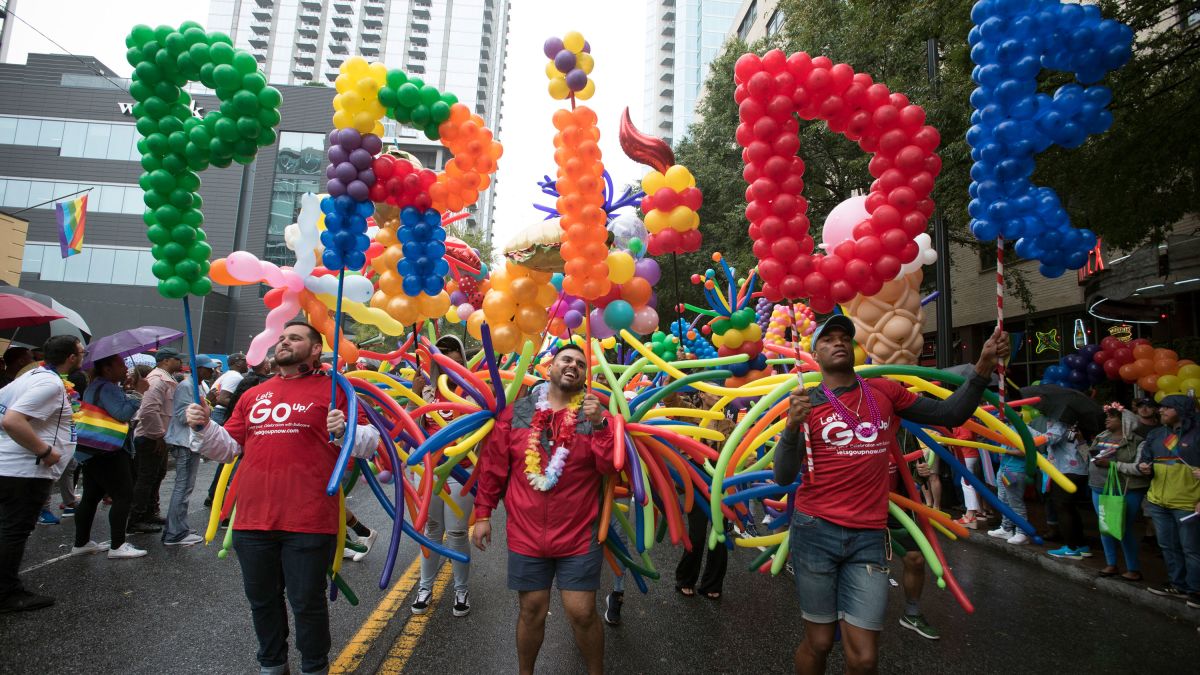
point(366, 541)
point(127, 550)
point(1000, 533)
point(191, 540)
point(1019, 538)
point(88, 548)
point(351, 537)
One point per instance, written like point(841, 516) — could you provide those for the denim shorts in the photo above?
point(841, 574)
point(574, 573)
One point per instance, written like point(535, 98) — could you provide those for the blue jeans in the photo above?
point(274, 563)
point(186, 465)
point(1180, 544)
point(841, 574)
point(1013, 495)
point(1129, 542)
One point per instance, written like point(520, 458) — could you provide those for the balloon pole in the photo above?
point(588, 346)
point(187, 323)
point(678, 299)
point(337, 340)
point(800, 379)
point(1000, 366)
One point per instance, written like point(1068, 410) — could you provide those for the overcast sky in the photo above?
point(614, 28)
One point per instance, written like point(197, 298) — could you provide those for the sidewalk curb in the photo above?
point(1133, 592)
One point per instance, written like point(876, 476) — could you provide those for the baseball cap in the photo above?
point(1139, 402)
point(207, 362)
point(166, 353)
point(839, 321)
point(238, 356)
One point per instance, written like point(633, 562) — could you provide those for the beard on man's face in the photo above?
point(285, 356)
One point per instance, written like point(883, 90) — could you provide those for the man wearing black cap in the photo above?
point(838, 532)
point(1147, 412)
point(222, 390)
point(150, 444)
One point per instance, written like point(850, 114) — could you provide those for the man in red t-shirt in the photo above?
point(551, 511)
point(285, 529)
point(838, 530)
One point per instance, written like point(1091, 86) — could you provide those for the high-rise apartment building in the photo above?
point(682, 38)
point(455, 46)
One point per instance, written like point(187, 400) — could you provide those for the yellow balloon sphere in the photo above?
point(558, 88)
point(452, 315)
point(573, 41)
point(585, 62)
point(609, 343)
point(1189, 372)
point(656, 221)
point(681, 218)
point(552, 71)
point(343, 120)
point(588, 90)
point(1169, 383)
point(733, 338)
point(860, 355)
point(620, 267)
point(653, 182)
point(1159, 396)
point(1191, 384)
point(679, 178)
point(378, 72)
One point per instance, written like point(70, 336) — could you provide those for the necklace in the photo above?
point(544, 481)
point(862, 429)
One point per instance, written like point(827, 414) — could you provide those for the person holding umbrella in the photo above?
point(107, 470)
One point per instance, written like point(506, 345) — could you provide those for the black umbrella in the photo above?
point(1071, 407)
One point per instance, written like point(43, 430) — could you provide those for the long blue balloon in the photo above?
point(489, 354)
point(408, 529)
point(980, 488)
point(452, 431)
point(335, 480)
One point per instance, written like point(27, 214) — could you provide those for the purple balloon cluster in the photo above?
point(350, 157)
point(762, 313)
point(566, 62)
point(570, 309)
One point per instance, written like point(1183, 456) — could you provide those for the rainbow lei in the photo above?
point(545, 481)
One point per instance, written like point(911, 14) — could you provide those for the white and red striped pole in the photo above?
point(1000, 366)
point(800, 383)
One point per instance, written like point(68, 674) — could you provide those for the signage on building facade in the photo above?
point(1121, 331)
point(1095, 263)
point(1079, 336)
point(1047, 341)
point(127, 109)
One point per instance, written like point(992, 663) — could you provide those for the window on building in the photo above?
point(95, 265)
point(775, 24)
point(89, 140)
point(17, 193)
point(748, 20)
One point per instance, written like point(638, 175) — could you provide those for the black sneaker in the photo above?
point(1167, 591)
point(156, 519)
point(24, 601)
point(462, 603)
point(1193, 600)
point(142, 528)
point(208, 502)
point(612, 608)
point(421, 604)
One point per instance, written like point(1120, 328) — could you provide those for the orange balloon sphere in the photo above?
point(1143, 352)
point(531, 320)
point(636, 291)
point(1148, 382)
point(474, 323)
point(505, 338)
point(1165, 366)
point(524, 290)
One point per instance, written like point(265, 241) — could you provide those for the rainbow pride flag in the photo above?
point(97, 429)
point(72, 219)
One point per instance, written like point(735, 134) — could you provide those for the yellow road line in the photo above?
point(402, 650)
point(352, 655)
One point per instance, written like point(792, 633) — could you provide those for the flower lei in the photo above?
point(545, 481)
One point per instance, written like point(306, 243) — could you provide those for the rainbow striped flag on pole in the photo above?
point(72, 219)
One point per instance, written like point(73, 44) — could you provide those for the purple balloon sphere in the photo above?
point(573, 319)
point(587, 47)
point(330, 171)
point(345, 172)
point(576, 80)
point(648, 269)
point(349, 139)
point(332, 137)
point(552, 46)
point(335, 187)
point(600, 330)
point(578, 305)
point(361, 159)
point(338, 154)
point(458, 298)
point(372, 144)
point(367, 176)
point(565, 61)
point(358, 190)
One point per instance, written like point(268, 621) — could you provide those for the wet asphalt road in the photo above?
point(181, 610)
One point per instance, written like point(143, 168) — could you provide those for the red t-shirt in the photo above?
point(286, 456)
point(850, 484)
point(964, 434)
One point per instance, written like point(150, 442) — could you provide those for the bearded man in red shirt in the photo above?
point(838, 530)
point(546, 455)
point(285, 529)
